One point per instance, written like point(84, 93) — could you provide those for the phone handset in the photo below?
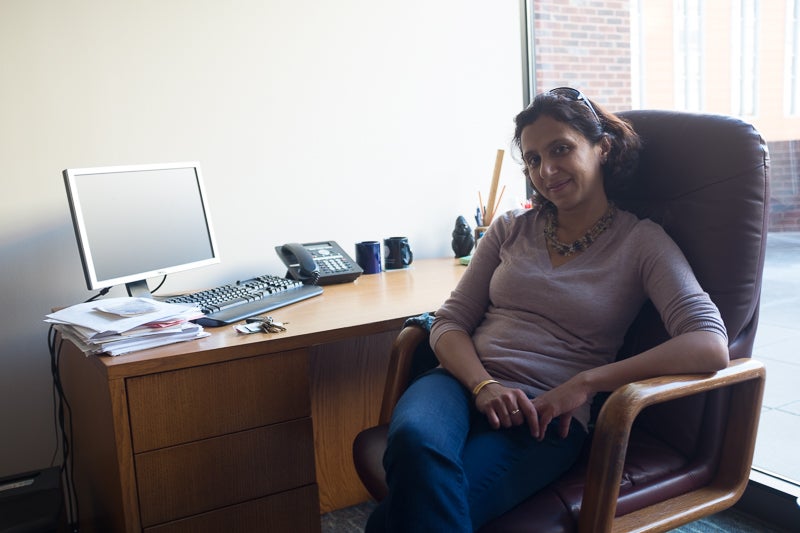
point(300, 263)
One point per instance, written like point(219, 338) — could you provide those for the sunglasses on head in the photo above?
point(575, 95)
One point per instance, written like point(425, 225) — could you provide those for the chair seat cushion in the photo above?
point(653, 471)
point(368, 448)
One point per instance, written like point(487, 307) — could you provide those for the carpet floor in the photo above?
point(352, 520)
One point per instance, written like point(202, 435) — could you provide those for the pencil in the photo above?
point(499, 198)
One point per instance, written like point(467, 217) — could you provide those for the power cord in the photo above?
point(63, 413)
point(102, 292)
point(153, 291)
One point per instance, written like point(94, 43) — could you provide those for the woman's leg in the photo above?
point(448, 470)
point(504, 467)
point(427, 485)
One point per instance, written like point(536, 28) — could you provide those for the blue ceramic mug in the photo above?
point(368, 256)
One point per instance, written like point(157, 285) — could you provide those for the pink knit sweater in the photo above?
point(535, 326)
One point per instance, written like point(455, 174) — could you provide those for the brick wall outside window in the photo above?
point(784, 195)
point(586, 44)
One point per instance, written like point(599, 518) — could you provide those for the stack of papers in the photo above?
point(117, 326)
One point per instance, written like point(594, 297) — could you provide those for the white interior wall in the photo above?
point(347, 120)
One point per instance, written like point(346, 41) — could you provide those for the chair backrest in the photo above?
point(704, 178)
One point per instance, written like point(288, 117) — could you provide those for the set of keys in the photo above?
point(261, 324)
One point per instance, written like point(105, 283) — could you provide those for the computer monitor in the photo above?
point(140, 221)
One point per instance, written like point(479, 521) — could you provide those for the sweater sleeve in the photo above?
point(673, 288)
point(465, 308)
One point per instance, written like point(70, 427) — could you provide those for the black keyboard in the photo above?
point(231, 303)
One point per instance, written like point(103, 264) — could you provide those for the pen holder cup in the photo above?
point(479, 231)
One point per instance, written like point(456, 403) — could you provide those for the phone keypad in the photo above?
point(332, 265)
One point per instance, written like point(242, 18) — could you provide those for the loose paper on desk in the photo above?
point(122, 325)
point(92, 315)
point(124, 344)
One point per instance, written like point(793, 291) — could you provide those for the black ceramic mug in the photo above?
point(397, 253)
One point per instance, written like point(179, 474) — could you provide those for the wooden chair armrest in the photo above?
point(398, 373)
point(612, 431)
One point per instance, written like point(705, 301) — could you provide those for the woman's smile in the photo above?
point(558, 186)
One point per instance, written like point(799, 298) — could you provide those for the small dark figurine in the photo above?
point(463, 241)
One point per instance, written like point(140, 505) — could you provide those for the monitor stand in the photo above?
point(138, 289)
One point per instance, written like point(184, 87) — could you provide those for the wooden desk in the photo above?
point(217, 435)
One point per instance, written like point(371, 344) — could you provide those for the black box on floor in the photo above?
point(31, 502)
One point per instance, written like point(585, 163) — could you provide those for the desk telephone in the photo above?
point(318, 263)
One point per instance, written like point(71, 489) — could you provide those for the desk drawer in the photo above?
point(180, 406)
point(185, 480)
point(295, 510)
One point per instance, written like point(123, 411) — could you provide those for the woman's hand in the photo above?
point(561, 402)
point(506, 407)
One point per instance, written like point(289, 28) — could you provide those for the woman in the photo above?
point(530, 333)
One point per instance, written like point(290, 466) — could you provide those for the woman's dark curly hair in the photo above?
point(623, 156)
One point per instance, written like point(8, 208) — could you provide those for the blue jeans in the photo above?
point(448, 470)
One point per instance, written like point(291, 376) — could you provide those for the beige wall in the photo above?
point(348, 120)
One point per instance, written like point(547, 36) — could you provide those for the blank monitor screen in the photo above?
point(136, 222)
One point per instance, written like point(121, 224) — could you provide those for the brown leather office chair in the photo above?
point(669, 450)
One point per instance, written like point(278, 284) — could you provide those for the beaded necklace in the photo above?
point(551, 226)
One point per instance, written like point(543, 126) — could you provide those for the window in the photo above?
point(792, 93)
point(744, 45)
point(688, 44)
point(734, 57)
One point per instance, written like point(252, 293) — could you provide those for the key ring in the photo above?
point(268, 324)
